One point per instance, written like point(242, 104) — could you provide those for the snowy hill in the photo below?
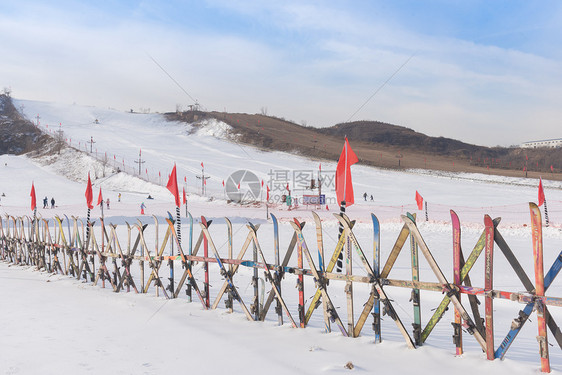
point(143, 334)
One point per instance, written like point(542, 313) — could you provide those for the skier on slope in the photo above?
point(365, 196)
point(53, 202)
point(45, 202)
point(107, 202)
point(142, 207)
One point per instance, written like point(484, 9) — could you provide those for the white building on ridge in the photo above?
point(550, 143)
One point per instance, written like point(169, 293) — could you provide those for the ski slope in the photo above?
point(92, 330)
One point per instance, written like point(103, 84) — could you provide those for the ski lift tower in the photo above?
point(203, 179)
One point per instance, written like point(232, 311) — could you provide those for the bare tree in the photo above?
point(59, 140)
point(104, 163)
point(264, 111)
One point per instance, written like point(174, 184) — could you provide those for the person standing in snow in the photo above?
point(142, 207)
point(365, 196)
point(53, 202)
point(45, 202)
point(119, 198)
point(107, 202)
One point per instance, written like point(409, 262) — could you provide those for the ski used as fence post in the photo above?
point(206, 293)
point(415, 297)
point(457, 324)
point(349, 284)
point(229, 302)
point(277, 274)
point(300, 286)
point(489, 286)
point(536, 227)
point(376, 270)
point(189, 252)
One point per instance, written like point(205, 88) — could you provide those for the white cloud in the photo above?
point(316, 62)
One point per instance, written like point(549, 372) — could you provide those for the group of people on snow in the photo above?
point(106, 202)
point(46, 202)
point(365, 196)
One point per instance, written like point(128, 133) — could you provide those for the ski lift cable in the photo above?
point(381, 86)
point(172, 78)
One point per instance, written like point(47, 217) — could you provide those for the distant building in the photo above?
point(550, 143)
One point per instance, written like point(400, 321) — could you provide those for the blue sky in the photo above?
point(484, 72)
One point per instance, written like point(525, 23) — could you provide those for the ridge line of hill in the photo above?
point(383, 145)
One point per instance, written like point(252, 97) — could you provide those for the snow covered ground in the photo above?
point(55, 324)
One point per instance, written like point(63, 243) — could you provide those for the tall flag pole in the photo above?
point(542, 199)
point(184, 201)
point(89, 197)
point(344, 186)
point(267, 202)
point(33, 206)
point(100, 203)
point(172, 186)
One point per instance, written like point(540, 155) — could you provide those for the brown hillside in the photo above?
point(18, 135)
point(385, 145)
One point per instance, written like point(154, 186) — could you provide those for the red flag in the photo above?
point(89, 194)
point(551, 169)
point(344, 186)
point(33, 198)
point(184, 197)
point(267, 196)
point(239, 186)
point(173, 186)
point(202, 165)
point(419, 200)
point(222, 183)
point(100, 198)
point(261, 183)
point(541, 193)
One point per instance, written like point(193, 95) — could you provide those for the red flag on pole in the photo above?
point(202, 165)
point(222, 183)
point(419, 200)
point(33, 197)
point(267, 196)
point(173, 186)
point(239, 186)
point(89, 194)
point(541, 193)
point(100, 198)
point(344, 186)
point(184, 197)
point(261, 183)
